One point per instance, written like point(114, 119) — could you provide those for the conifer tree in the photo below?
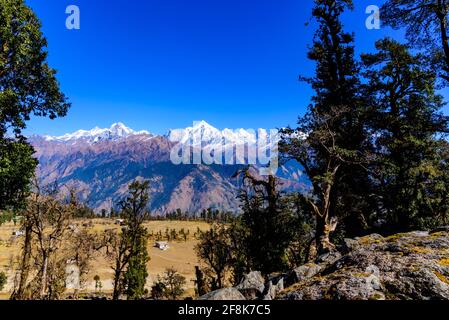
point(407, 125)
point(129, 249)
point(330, 141)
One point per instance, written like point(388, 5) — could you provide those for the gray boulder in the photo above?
point(301, 273)
point(273, 288)
point(223, 294)
point(252, 285)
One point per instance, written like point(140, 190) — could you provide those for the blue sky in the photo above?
point(161, 64)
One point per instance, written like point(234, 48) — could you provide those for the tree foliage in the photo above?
point(407, 124)
point(170, 286)
point(214, 250)
point(330, 141)
point(261, 227)
point(28, 86)
point(427, 27)
point(128, 249)
point(17, 167)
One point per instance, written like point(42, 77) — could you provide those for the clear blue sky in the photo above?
point(161, 64)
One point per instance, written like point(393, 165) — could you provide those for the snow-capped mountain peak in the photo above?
point(203, 133)
point(116, 131)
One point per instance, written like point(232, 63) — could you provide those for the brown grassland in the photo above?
point(180, 255)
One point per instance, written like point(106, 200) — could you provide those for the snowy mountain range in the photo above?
point(115, 132)
point(205, 133)
point(101, 163)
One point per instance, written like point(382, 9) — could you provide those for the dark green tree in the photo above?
point(214, 250)
point(407, 123)
point(28, 86)
point(136, 274)
point(130, 250)
point(170, 286)
point(16, 171)
point(157, 291)
point(427, 27)
point(331, 142)
point(264, 229)
point(135, 211)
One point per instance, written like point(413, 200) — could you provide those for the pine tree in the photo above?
point(406, 124)
point(330, 141)
point(136, 274)
point(131, 255)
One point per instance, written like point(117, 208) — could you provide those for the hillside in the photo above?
point(101, 163)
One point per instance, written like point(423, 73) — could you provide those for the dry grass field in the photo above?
point(180, 254)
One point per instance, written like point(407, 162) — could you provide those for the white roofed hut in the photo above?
point(161, 245)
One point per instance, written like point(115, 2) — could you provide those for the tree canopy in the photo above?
point(28, 86)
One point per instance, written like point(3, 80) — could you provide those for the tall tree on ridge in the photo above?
point(330, 141)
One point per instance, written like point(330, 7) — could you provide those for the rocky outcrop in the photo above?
point(407, 266)
point(411, 266)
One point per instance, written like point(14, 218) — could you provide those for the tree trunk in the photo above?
point(116, 293)
point(324, 228)
point(323, 243)
point(201, 289)
point(19, 294)
point(44, 277)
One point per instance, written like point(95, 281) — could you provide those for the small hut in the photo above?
point(161, 245)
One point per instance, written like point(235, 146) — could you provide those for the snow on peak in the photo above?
point(116, 131)
point(203, 133)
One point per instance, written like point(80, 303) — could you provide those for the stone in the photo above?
point(329, 258)
point(223, 294)
point(252, 285)
point(273, 288)
point(303, 272)
point(270, 292)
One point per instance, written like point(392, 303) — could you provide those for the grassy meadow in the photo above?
point(180, 254)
